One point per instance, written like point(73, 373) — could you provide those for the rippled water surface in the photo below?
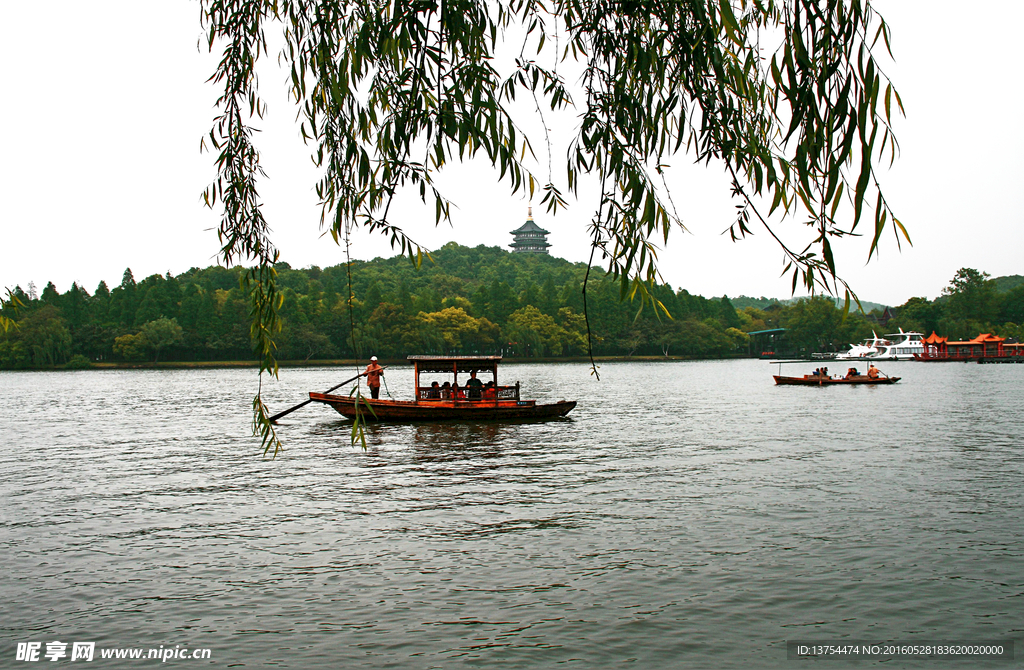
point(688, 514)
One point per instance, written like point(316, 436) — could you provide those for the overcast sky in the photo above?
point(106, 102)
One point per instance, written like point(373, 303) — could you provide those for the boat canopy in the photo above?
point(455, 364)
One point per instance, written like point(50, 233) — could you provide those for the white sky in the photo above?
point(105, 105)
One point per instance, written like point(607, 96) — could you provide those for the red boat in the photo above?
point(451, 402)
point(819, 380)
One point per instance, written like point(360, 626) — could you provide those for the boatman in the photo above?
point(873, 372)
point(373, 374)
point(474, 387)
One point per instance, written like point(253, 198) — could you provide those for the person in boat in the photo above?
point(490, 391)
point(873, 372)
point(851, 373)
point(373, 374)
point(434, 392)
point(446, 390)
point(474, 387)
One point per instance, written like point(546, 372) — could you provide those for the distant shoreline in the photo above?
point(214, 365)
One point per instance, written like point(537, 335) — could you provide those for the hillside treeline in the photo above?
point(462, 301)
point(972, 303)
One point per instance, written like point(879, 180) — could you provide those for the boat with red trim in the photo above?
point(821, 377)
point(473, 401)
point(821, 380)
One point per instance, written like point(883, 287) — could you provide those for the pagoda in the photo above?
point(530, 238)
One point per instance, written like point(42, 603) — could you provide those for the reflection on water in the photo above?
point(686, 515)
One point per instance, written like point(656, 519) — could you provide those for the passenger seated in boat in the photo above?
point(457, 393)
point(490, 391)
point(474, 387)
point(873, 372)
point(446, 391)
point(851, 373)
point(434, 392)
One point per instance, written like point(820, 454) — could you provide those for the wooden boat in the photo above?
point(817, 380)
point(433, 403)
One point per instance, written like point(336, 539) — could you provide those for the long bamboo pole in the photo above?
point(303, 404)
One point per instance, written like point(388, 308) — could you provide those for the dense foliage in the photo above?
point(972, 303)
point(481, 300)
point(463, 301)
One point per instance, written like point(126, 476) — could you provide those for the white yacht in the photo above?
point(867, 349)
point(899, 346)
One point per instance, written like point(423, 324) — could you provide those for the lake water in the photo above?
point(688, 514)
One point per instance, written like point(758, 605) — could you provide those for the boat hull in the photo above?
point(445, 410)
point(825, 381)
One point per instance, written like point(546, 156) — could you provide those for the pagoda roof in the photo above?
point(529, 227)
point(983, 338)
point(934, 339)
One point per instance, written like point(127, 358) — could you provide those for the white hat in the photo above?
point(373, 358)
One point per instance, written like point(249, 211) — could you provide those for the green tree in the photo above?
point(50, 295)
point(99, 306)
point(393, 330)
point(14, 355)
point(574, 329)
point(305, 342)
point(1012, 306)
point(816, 324)
point(727, 313)
point(159, 334)
point(149, 306)
point(699, 339)
point(459, 330)
point(534, 333)
point(124, 300)
point(131, 346)
point(45, 336)
point(548, 299)
point(917, 314)
point(972, 300)
point(752, 318)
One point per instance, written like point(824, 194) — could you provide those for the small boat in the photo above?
point(451, 402)
point(821, 380)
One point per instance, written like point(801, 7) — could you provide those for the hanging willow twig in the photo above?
point(799, 126)
point(14, 303)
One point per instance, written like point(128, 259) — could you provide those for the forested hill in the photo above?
point(763, 303)
point(460, 301)
point(1008, 283)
